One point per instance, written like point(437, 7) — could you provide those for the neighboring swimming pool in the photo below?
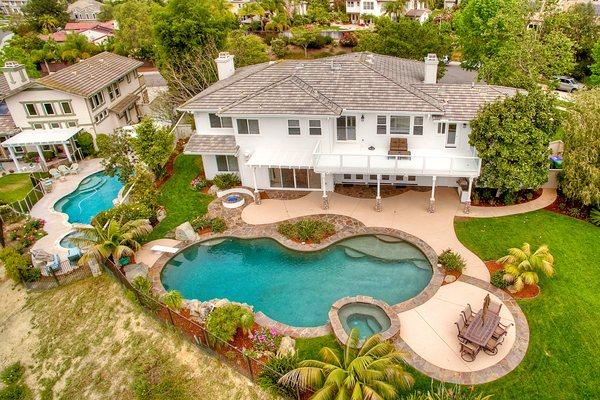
point(298, 288)
point(95, 193)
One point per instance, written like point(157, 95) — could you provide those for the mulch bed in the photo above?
point(569, 208)
point(528, 292)
point(455, 274)
point(499, 202)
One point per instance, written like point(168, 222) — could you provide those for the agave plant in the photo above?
point(173, 300)
point(110, 242)
point(375, 371)
point(520, 265)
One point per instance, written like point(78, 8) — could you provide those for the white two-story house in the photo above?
point(311, 124)
point(363, 11)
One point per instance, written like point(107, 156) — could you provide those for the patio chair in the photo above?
point(495, 307)
point(491, 347)
point(461, 327)
point(54, 265)
point(469, 351)
point(500, 330)
point(468, 314)
point(54, 173)
point(74, 168)
point(398, 147)
point(64, 170)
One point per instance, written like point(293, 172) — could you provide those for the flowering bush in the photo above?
point(199, 183)
point(266, 340)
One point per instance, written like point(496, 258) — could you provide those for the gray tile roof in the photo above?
point(211, 144)
point(328, 86)
point(7, 125)
point(125, 102)
point(90, 75)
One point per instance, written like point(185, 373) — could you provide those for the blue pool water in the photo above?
point(293, 287)
point(95, 193)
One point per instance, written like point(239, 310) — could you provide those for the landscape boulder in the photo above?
point(185, 232)
point(287, 347)
point(132, 271)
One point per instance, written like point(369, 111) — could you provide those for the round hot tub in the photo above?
point(233, 201)
point(368, 315)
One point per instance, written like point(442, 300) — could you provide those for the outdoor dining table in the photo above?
point(481, 329)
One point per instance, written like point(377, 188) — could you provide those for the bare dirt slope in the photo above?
point(88, 341)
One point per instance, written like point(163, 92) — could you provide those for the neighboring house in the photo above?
point(10, 7)
point(7, 128)
point(99, 94)
point(95, 32)
point(84, 10)
point(310, 124)
point(235, 5)
point(362, 11)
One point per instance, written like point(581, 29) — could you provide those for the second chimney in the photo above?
point(431, 67)
point(225, 67)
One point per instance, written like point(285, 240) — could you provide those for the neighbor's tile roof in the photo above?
point(89, 76)
point(211, 144)
point(327, 86)
point(7, 125)
point(124, 103)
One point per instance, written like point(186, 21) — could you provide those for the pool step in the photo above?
point(374, 247)
point(353, 253)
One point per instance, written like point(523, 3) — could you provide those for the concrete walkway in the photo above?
point(548, 197)
point(57, 224)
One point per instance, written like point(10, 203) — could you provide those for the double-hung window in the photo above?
point(66, 107)
point(293, 127)
point(96, 100)
point(418, 126)
point(381, 124)
point(399, 125)
point(248, 127)
point(227, 164)
point(346, 128)
point(31, 109)
point(113, 91)
point(220, 122)
point(314, 127)
point(368, 5)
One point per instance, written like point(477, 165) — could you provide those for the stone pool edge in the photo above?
point(269, 231)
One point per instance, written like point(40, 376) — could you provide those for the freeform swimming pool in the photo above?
point(94, 194)
point(293, 287)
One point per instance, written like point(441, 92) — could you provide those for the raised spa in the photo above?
point(368, 315)
point(298, 288)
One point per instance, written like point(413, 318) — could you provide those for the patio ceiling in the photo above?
point(41, 137)
point(280, 157)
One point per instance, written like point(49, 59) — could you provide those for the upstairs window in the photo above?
point(113, 91)
point(66, 107)
point(248, 127)
point(399, 125)
point(220, 122)
point(368, 5)
point(293, 127)
point(314, 127)
point(346, 128)
point(48, 108)
point(418, 126)
point(381, 124)
point(96, 100)
point(451, 136)
point(31, 110)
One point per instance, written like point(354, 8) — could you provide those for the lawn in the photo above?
point(14, 187)
point(181, 202)
point(562, 360)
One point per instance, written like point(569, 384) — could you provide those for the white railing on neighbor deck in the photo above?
point(417, 164)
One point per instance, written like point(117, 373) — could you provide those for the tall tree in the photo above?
point(38, 13)
point(581, 165)
point(153, 145)
point(77, 47)
point(595, 67)
point(135, 36)
point(247, 49)
point(512, 137)
point(115, 152)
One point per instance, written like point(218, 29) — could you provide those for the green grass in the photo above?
point(308, 349)
point(562, 360)
point(181, 202)
point(14, 187)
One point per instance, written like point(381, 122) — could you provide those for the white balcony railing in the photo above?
point(417, 164)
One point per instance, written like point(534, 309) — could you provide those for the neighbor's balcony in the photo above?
point(420, 162)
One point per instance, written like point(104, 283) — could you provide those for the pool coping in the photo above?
point(269, 231)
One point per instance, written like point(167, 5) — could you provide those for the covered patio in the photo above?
point(39, 138)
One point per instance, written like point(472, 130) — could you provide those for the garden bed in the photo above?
point(570, 208)
point(487, 197)
point(528, 292)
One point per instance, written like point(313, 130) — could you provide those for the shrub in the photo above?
point(226, 181)
point(86, 143)
point(143, 189)
point(510, 198)
point(16, 391)
point(279, 47)
point(218, 225)
point(274, 369)
point(266, 340)
point(595, 216)
point(125, 213)
point(223, 322)
point(349, 39)
point(17, 266)
point(200, 223)
point(307, 230)
point(31, 156)
point(173, 300)
point(497, 279)
point(48, 155)
point(451, 261)
point(12, 374)
point(200, 183)
point(143, 285)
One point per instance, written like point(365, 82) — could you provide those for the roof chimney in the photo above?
point(431, 66)
point(225, 67)
point(15, 74)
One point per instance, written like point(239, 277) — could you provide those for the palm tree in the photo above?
point(520, 265)
point(110, 242)
point(49, 23)
point(375, 371)
point(395, 8)
point(173, 300)
point(279, 23)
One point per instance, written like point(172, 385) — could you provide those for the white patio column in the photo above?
point(67, 152)
point(432, 198)
point(378, 197)
point(467, 208)
point(42, 158)
point(325, 205)
point(11, 151)
point(256, 192)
